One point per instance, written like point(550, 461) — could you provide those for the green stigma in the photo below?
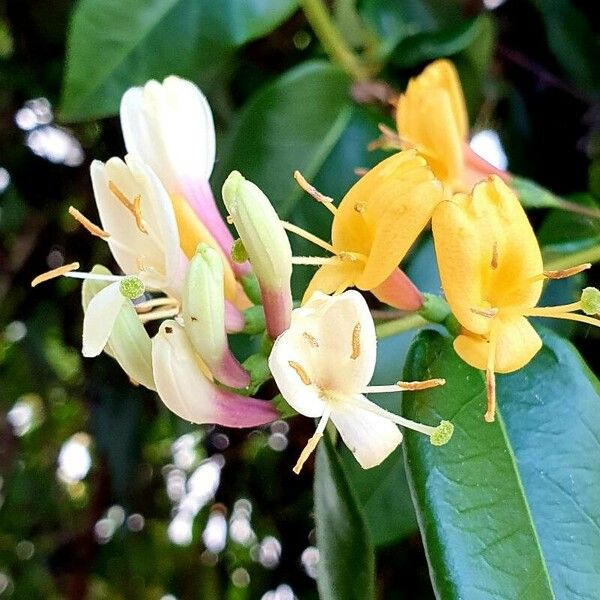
point(590, 301)
point(238, 251)
point(441, 434)
point(132, 287)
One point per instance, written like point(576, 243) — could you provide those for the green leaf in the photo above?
point(113, 45)
point(290, 124)
point(346, 568)
point(429, 45)
point(509, 509)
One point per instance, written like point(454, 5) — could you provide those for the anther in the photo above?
point(308, 450)
point(91, 227)
point(485, 312)
point(420, 385)
point(312, 340)
point(355, 342)
point(55, 273)
point(490, 384)
point(494, 262)
point(314, 192)
point(133, 207)
point(301, 372)
point(563, 273)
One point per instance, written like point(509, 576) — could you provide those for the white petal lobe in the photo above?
point(100, 317)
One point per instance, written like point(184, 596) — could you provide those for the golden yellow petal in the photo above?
point(333, 277)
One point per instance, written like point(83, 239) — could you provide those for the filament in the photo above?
point(312, 442)
point(308, 236)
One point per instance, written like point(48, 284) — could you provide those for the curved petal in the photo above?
point(399, 291)
point(370, 437)
point(99, 318)
point(331, 277)
point(187, 392)
point(171, 126)
point(517, 344)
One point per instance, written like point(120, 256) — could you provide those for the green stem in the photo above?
point(412, 321)
point(331, 39)
point(589, 255)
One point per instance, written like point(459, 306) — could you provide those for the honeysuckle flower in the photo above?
point(184, 384)
point(323, 364)
point(373, 229)
point(204, 317)
point(170, 125)
point(492, 274)
point(128, 343)
point(431, 116)
point(267, 245)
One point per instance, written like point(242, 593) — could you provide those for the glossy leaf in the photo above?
point(113, 45)
point(290, 124)
point(509, 509)
point(346, 568)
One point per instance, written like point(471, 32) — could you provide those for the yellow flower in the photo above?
point(431, 116)
point(492, 274)
point(373, 228)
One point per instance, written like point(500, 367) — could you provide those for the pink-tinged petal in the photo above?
point(187, 392)
point(230, 372)
point(370, 437)
point(477, 169)
point(278, 310)
point(234, 318)
point(399, 291)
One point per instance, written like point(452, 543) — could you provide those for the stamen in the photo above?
point(494, 263)
point(54, 273)
point(312, 340)
point(490, 378)
point(148, 305)
point(300, 371)
point(308, 236)
point(312, 191)
point(389, 140)
point(355, 342)
point(536, 312)
point(312, 442)
point(91, 227)
point(312, 260)
point(563, 273)
point(133, 207)
point(159, 314)
point(420, 385)
point(490, 313)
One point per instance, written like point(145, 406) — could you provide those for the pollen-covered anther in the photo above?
point(347, 256)
point(300, 371)
point(314, 192)
point(355, 342)
point(312, 340)
point(489, 313)
point(133, 207)
point(420, 385)
point(563, 273)
point(53, 273)
point(442, 434)
point(91, 227)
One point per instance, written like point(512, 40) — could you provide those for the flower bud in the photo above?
point(128, 343)
point(267, 245)
point(204, 317)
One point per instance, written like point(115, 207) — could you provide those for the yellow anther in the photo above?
point(355, 342)
point(314, 192)
point(563, 273)
point(301, 372)
point(420, 385)
point(133, 207)
point(55, 273)
point(312, 340)
point(91, 227)
point(485, 312)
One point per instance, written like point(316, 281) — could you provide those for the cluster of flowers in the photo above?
point(183, 268)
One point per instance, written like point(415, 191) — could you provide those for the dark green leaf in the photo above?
point(509, 509)
point(113, 45)
point(346, 569)
point(429, 45)
point(290, 124)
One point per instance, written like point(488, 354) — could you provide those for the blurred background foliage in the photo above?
point(104, 493)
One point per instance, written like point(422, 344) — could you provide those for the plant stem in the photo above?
point(413, 321)
point(589, 255)
point(331, 39)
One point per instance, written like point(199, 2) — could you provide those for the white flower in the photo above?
point(323, 364)
point(137, 214)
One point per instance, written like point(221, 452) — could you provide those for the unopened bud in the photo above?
point(590, 301)
point(267, 245)
point(441, 434)
point(204, 316)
